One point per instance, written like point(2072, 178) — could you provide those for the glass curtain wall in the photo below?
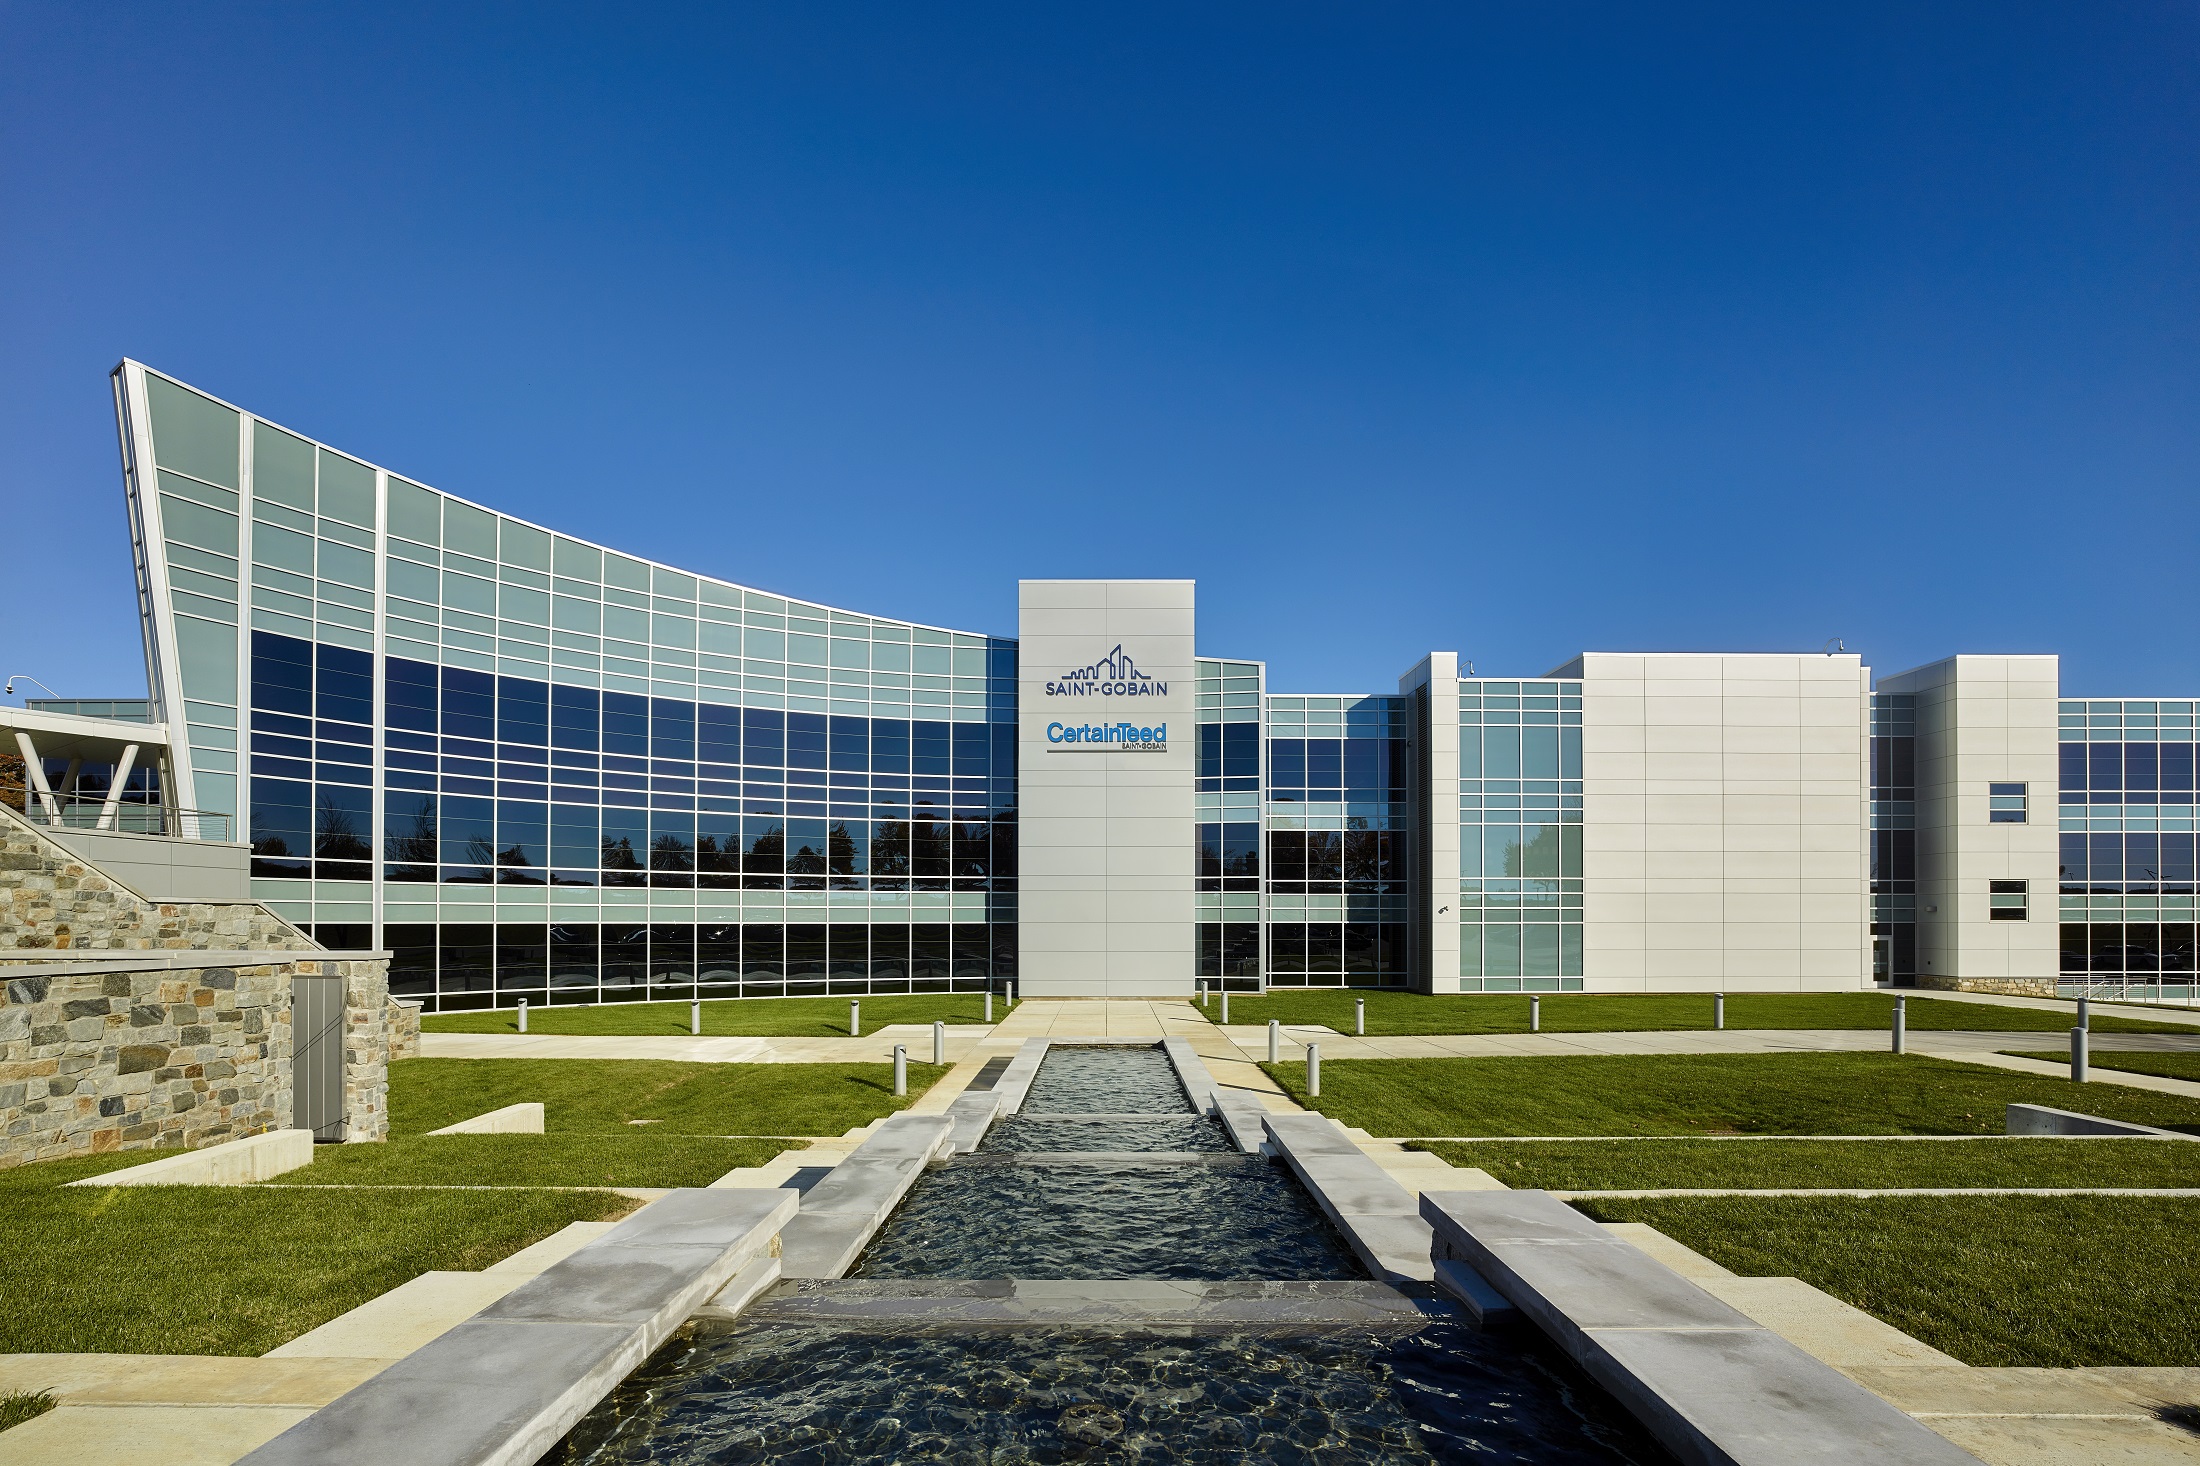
point(534, 767)
point(1339, 826)
point(2128, 880)
point(1227, 808)
point(1894, 837)
point(1520, 884)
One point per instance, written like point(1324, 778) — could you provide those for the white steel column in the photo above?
point(34, 770)
point(113, 806)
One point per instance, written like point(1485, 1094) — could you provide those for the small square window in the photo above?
point(2005, 804)
point(2008, 900)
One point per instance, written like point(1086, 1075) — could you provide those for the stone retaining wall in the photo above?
point(96, 1059)
point(53, 901)
point(2006, 987)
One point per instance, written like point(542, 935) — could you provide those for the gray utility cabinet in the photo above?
point(317, 1041)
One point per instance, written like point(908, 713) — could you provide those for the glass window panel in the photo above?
point(415, 513)
point(471, 530)
point(282, 467)
point(347, 490)
point(192, 434)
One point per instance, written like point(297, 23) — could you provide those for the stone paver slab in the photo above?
point(555, 1248)
point(1750, 1397)
point(406, 1318)
point(182, 1379)
point(133, 1435)
point(1822, 1326)
point(2018, 1440)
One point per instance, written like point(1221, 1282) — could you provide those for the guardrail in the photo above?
point(90, 812)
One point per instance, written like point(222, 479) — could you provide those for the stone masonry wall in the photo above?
point(94, 1061)
point(51, 901)
point(2007, 987)
point(404, 1029)
point(368, 1019)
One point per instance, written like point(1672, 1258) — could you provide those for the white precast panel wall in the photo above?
point(1725, 803)
point(1106, 836)
point(1981, 721)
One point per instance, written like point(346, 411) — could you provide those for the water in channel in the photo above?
point(1108, 1173)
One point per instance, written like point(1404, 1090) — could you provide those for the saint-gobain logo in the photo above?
point(1114, 675)
point(1109, 737)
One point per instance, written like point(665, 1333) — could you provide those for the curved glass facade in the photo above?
point(533, 766)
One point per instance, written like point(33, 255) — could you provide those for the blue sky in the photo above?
point(1511, 330)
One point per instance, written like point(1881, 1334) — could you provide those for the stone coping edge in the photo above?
point(1014, 1082)
point(231, 1163)
point(842, 1212)
point(1711, 1384)
point(1375, 1214)
point(1097, 1303)
point(505, 1386)
point(165, 958)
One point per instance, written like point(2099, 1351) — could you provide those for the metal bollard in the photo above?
point(522, 1015)
point(695, 1016)
point(901, 1069)
point(2085, 1019)
point(989, 1005)
point(855, 1019)
point(1718, 1010)
point(1275, 1041)
point(1359, 1016)
point(939, 1042)
point(1314, 1071)
point(1901, 1024)
point(1225, 1005)
point(2078, 1037)
point(1535, 1015)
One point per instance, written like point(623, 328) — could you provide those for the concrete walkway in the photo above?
point(968, 1046)
point(2066, 1006)
point(1660, 1191)
point(1252, 1040)
point(1233, 1054)
point(871, 1048)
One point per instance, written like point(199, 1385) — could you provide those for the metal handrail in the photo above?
point(89, 812)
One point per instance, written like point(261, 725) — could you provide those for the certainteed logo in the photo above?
point(1107, 738)
point(1114, 675)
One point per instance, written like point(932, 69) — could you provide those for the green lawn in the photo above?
point(2165, 1066)
point(642, 1158)
point(17, 1408)
point(1684, 1094)
point(2042, 1281)
point(602, 1095)
point(728, 1017)
point(1400, 1013)
point(235, 1269)
point(1622, 1165)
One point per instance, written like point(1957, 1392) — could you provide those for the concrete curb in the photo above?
point(520, 1119)
point(1015, 1081)
point(1375, 1213)
point(2041, 1120)
point(1097, 1303)
point(503, 1387)
point(1191, 1072)
point(232, 1163)
point(840, 1214)
point(1709, 1382)
point(971, 1115)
